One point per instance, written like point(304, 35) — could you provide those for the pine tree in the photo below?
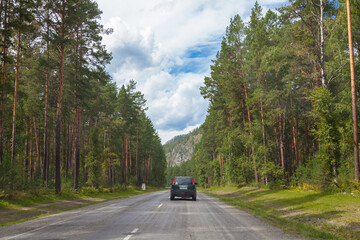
point(24, 16)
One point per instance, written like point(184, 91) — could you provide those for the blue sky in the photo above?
point(166, 46)
point(194, 58)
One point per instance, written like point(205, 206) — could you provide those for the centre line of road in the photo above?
point(127, 237)
point(160, 205)
point(130, 235)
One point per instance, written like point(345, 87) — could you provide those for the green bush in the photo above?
point(13, 195)
point(89, 190)
point(277, 183)
point(35, 192)
point(133, 181)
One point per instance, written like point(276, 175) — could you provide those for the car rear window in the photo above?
point(183, 180)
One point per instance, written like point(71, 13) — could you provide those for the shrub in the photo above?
point(35, 192)
point(14, 195)
point(89, 190)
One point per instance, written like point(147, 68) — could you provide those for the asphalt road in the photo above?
point(148, 216)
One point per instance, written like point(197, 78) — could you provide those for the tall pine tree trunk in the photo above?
point(353, 95)
point(252, 144)
point(294, 131)
point(322, 64)
point(1, 10)
point(59, 101)
point(281, 140)
point(45, 157)
point(130, 159)
point(58, 117)
point(4, 6)
point(26, 158)
point(31, 163)
point(220, 164)
point(58, 122)
point(38, 167)
point(13, 149)
point(124, 160)
point(85, 152)
point(261, 113)
point(68, 144)
point(137, 157)
point(263, 135)
point(50, 136)
point(77, 147)
point(77, 115)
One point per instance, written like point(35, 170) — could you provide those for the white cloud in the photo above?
point(180, 107)
point(151, 43)
point(176, 24)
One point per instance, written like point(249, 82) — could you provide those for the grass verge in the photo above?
point(310, 214)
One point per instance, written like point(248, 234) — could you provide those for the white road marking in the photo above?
point(130, 235)
point(160, 205)
point(127, 237)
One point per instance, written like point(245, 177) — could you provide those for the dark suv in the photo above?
point(183, 187)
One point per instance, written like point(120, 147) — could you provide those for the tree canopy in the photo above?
point(280, 101)
point(63, 121)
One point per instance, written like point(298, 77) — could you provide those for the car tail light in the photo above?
point(192, 181)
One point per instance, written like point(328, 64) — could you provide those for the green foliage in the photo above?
point(96, 116)
point(239, 171)
point(271, 120)
point(271, 170)
point(93, 159)
point(93, 163)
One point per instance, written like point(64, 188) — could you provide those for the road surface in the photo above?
point(148, 216)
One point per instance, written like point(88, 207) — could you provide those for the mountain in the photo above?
point(181, 148)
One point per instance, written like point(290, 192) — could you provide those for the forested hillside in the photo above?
point(180, 149)
point(63, 122)
point(280, 100)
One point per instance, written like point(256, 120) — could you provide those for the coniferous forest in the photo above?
point(63, 122)
point(281, 102)
point(280, 93)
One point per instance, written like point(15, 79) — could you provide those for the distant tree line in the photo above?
point(62, 120)
point(280, 101)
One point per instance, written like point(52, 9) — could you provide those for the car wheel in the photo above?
point(194, 198)
point(172, 197)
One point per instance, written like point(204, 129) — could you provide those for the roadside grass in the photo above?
point(313, 214)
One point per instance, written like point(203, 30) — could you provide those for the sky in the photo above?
point(166, 47)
